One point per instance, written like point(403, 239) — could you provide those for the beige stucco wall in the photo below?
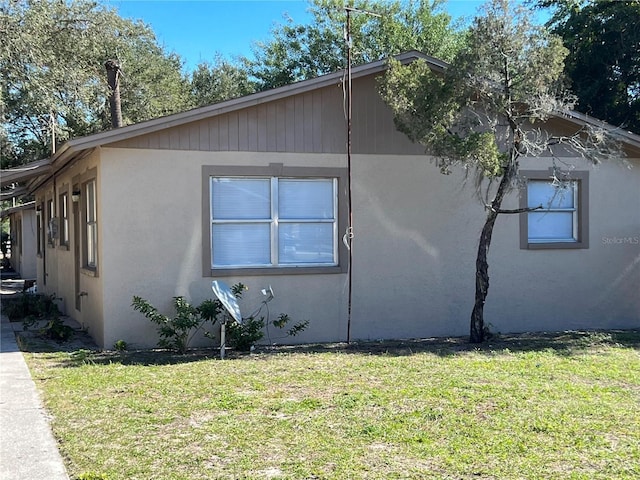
point(152, 243)
point(61, 261)
point(416, 234)
point(23, 258)
point(565, 289)
point(416, 237)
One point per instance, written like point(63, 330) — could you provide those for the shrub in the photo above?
point(25, 305)
point(245, 335)
point(176, 333)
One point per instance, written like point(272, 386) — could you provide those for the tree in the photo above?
point(603, 64)
point(52, 56)
point(481, 112)
point(298, 52)
point(219, 81)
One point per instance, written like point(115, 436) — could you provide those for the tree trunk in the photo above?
point(113, 74)
point(477, 330)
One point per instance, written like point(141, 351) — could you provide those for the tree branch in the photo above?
point(515, 210)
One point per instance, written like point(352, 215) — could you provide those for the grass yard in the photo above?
point(524, 407)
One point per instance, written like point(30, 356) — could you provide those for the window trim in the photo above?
point(50, 224)
point(63, 227)
point(273, 170)
point(40, 240)
point(80, 182)
point(582, 216)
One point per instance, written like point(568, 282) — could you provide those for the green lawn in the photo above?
point(532, 407)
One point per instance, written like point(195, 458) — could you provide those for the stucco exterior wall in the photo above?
point(23, 248)
point(152, 244)
point(61, 261)
point(417, 233)
point(596, 287)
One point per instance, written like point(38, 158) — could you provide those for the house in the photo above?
point(23, 225)
point(256, 190)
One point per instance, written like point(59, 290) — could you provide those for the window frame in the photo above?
point(40, 234)
point(90, 226)
point(63, 215)
point(277, 171)
point(581, 215)
point(50, 223)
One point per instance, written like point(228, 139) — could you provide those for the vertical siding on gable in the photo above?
point(298, 124)
point(203, 136)
point(214, 134)
point(223, 126)
point(243, 131)
point(290, 125)
point(311, 122)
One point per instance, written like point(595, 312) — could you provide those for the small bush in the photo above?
point(27, 305)
point(55, 329)
point(176, 333)
point(120, 346)
point(243, 336)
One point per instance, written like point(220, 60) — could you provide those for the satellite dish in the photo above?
point(227, 298)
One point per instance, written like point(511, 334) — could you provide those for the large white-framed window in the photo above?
point(91, 226)
point(273, 220)
point(558, 216)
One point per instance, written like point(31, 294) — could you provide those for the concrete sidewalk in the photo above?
point(28, 450)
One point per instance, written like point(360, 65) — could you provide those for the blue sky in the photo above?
point(197, 29)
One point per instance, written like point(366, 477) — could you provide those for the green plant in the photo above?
point(26, 305)
point(55, 329)
point(243, 336)
point(175, 333)
point(120, 346)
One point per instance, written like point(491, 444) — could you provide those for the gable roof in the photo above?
point(38, 172)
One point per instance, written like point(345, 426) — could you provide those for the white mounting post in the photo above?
point(223, 327)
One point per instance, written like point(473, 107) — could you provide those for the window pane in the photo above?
point(240, 199)
point(92, 241)
point(238, 244)
point(550, 196)
point(309, 199)
point(306, 243)
point(91, 201)
point(551, 226)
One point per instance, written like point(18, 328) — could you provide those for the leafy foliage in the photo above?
point(298, 52)
point(54, 80)
point(220, 80)
point(603, 65)
point(243, 336)
point(176, 333)
point(28, 305)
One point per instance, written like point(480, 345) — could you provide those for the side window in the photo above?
point(39, 229)
point(51, 223)
point(90, 244)
point(63, 222)
point(559, 211)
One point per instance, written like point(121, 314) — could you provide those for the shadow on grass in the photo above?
point(558, 343)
